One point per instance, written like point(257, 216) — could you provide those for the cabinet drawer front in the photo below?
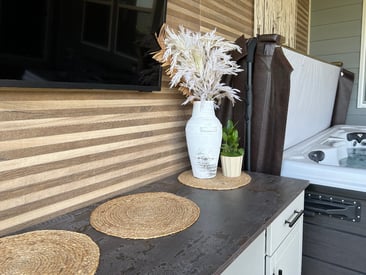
point(283, 224)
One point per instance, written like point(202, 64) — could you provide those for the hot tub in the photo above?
point(334, 161)
point(335, 157)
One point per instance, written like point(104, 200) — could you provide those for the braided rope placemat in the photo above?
point(217, 183)
point(145, 215)
point(48, 252)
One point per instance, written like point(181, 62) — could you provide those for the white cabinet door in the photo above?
point(286, 260)
point(278, 230)
point(276, 251)
point(251, 260)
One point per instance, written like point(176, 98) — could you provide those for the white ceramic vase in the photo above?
point(203, 135)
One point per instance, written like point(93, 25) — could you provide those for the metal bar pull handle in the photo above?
point(294, 220)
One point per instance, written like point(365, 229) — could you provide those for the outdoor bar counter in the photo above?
point(228, 223)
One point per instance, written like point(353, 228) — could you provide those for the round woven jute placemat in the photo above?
point(145, 215)
point(48, 252)
point(217, 183)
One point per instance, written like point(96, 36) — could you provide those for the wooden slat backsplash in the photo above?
point(184, 13)
point(62, 150)
point(230, 18)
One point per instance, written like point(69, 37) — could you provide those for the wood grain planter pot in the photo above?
point(231, 166)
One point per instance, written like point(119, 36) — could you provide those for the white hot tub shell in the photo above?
point(312, 96)
point(330, 147)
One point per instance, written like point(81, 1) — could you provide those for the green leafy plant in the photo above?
point(230, 141)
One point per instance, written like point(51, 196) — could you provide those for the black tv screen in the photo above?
point(99, 44)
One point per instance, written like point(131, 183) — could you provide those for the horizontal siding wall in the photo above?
point(61, 149)
point(335, 35)
point(302, 26)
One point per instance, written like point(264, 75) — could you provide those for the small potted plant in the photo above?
point(231, 154)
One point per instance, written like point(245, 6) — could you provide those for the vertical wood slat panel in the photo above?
point(64, 149)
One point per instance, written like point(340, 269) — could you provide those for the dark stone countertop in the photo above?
point(229, 221)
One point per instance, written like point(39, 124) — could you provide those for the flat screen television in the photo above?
point(92, 44)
